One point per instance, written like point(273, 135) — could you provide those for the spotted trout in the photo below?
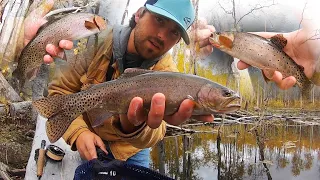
point(113, 97)
point(70, 27)
point(266, 54)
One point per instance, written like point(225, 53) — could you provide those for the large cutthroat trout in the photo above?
point(113, 97)
point(261, 53)
point(70, 27)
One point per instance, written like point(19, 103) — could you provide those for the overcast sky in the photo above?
point(290, 11)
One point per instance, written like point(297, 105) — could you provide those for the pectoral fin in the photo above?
point(100, 116)
point(196, 105)
point(32, 73)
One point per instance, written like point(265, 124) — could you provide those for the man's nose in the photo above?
point(163, 33)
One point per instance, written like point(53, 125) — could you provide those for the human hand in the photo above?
point(298, 49)
point(136, 114)
point(86, 144)
point(32, 24)
point(202, 31)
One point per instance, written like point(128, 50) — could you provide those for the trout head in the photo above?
point(215, 98)
point(222, 40)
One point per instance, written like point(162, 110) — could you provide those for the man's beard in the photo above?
point(138, 43)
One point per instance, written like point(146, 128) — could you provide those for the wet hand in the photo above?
point(32, 24)
point(202, 33)
point(137, 115)
point(55, 51)
point(86, 144)
point(298, 49)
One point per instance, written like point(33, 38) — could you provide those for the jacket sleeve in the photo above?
point(145, 136)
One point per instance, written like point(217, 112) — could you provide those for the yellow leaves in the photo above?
point(81, 46)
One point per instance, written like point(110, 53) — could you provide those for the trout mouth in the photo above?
point(231, 104)
point(222, 40)
point(214, 40)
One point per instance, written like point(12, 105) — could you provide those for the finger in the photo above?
point(136, 114)
point(283, 84)
point(202, 34)
point(211, 28)
point(201, 23)
point(35, 19)
point(204, 43)
point(204, 118)
point(157, 109)
point(287, 83)
point(91, 149)
point(98, 142)
point(66, 44)
point(54, 51)
point(242, 65)
point(81, 152)
point(47, 59)
point(184, 112)
point(205, 51)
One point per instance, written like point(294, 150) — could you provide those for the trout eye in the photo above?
point(227, 93)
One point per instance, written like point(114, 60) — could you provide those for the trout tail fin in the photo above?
point(59, 115)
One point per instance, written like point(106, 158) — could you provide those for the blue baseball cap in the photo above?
point(180, 11)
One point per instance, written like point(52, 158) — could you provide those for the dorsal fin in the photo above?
point(131, 72)
point(279, 41)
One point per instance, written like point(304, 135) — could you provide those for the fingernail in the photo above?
point(159, 102)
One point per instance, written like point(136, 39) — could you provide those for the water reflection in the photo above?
point(289, 151)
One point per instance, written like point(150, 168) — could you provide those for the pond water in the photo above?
point(291, 151)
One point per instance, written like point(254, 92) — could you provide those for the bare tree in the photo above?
point(233, 11)
point(125, 13)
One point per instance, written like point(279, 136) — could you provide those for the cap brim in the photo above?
point(164, 13)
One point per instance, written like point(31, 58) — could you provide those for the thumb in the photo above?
point(100, 144)
point(36, 19)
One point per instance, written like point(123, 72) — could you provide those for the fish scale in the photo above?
point(113, 97)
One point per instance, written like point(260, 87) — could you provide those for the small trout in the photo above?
point(113, 97)
point(70, 27)
point(261, 53)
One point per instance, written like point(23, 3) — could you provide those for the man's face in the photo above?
point(154, 35)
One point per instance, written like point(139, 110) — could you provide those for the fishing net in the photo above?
point(112, 169)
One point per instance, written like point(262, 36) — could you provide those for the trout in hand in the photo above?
point(113, 97)
point(262, 53)
point(70, 27)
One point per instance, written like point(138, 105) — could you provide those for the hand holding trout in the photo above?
point(114, 97)
point(270, 56)
point(302, 52)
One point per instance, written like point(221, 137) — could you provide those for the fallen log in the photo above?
point(21, 110)
point(7, 92)
point(17, 111)
point(17, 172)
point(3, 172)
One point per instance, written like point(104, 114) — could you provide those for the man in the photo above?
point(155, 29)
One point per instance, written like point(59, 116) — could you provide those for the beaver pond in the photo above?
point(282, 147)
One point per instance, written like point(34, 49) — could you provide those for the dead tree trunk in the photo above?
point(7, 92)
point(161, 157)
